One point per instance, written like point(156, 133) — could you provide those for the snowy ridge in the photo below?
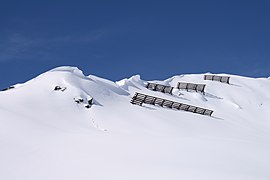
point(45, 134)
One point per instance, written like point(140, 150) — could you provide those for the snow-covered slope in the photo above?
point(46, 135)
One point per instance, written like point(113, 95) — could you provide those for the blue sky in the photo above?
point(117, 39)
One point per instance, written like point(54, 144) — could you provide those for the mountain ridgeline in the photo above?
point(65, 125)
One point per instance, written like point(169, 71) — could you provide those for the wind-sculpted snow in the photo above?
point(59, 133)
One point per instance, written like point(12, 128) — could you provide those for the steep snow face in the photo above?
point(52, 134)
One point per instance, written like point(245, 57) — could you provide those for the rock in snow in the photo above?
point(45, 135)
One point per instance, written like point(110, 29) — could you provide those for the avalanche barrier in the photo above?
point(223, 79)
point(10, 87)
point(191, 86)
point(139, 99)
point(159, 87)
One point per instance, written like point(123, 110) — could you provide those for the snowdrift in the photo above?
point(86, 128)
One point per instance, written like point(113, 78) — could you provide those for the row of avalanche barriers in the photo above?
point(139, 98)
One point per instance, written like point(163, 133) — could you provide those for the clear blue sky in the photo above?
point(116, 39)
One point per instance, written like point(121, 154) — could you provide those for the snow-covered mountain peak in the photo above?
point(65, 125)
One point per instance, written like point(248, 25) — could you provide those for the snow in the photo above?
point(45, 134)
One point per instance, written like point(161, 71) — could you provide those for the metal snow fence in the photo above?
point(10, 87)
point(223, 79)
point(160, 88)
point(191, 86)
point(139, 99)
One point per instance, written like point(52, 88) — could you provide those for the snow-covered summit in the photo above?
point(65, 125)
